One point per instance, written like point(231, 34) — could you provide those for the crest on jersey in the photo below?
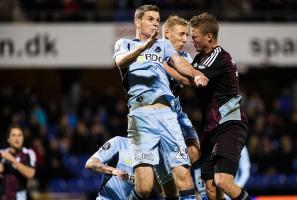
point(157, 49)
point(197, 66)
point(201, 67)
point(106, 146)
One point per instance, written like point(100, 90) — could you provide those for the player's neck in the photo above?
point(141, 37)
point(211, 48)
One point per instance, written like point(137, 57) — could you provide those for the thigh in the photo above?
point(144, 176)
point(207, 164)
point(226, 153)
point(143, 139)
point(172, 141)
point(230, 141)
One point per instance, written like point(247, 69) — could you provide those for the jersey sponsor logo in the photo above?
point(128, 162)
point(149, 56)
point(106, 146)
point(143, 156)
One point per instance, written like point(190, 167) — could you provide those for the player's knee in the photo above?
point(144, 191)
point(223, 182)
point(144, 180)
point(183, 179)
point(211, 193)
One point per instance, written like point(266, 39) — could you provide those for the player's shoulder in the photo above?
point(122, 142)
point(29, 152)
point(184, 54)
point(213, 58)
point(226, 57)
point(163, 41)
point(121, 40)
point(120, 139)
point(116, 142)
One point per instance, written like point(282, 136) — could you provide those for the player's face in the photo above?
point(200, 40)
point(149, 23)
point(16, 138)
point(178, 36)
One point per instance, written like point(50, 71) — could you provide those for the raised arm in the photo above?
point(125, 59)
point(177, 76)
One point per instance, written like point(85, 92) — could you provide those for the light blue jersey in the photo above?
point(145, 79)
point(188, 130)
point(151, 130)
point(115, 153)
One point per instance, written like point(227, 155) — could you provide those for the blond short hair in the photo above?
point(139, 12)
point(207, 23)
point(174, 20)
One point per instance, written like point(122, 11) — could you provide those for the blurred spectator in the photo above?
point(17, 165)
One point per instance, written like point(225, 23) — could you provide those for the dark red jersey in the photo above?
point(13, 180)
point(220, 99)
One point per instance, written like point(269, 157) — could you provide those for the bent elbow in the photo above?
point(88, 165)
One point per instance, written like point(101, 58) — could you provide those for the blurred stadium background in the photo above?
point(58, 80)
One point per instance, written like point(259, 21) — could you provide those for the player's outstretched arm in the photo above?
point(177, 76)
point(186, 69)
point(125, 59)
point(97, 166)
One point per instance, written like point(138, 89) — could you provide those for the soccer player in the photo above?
point(152, 125)
point(176, 30)
point(224, 124)
point(17, 165)
point(114, 160)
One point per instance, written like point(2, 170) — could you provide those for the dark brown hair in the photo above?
point(12, 126)
point(207, 23)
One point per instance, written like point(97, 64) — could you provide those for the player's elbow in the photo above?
point(88, 164)
point(120, 62)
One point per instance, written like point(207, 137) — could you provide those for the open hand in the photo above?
point(149, 42)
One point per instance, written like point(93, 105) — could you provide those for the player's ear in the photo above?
point(165, 33)
point(137, 22)
point(209, 37)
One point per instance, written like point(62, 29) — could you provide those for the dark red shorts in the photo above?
point(221, 148)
